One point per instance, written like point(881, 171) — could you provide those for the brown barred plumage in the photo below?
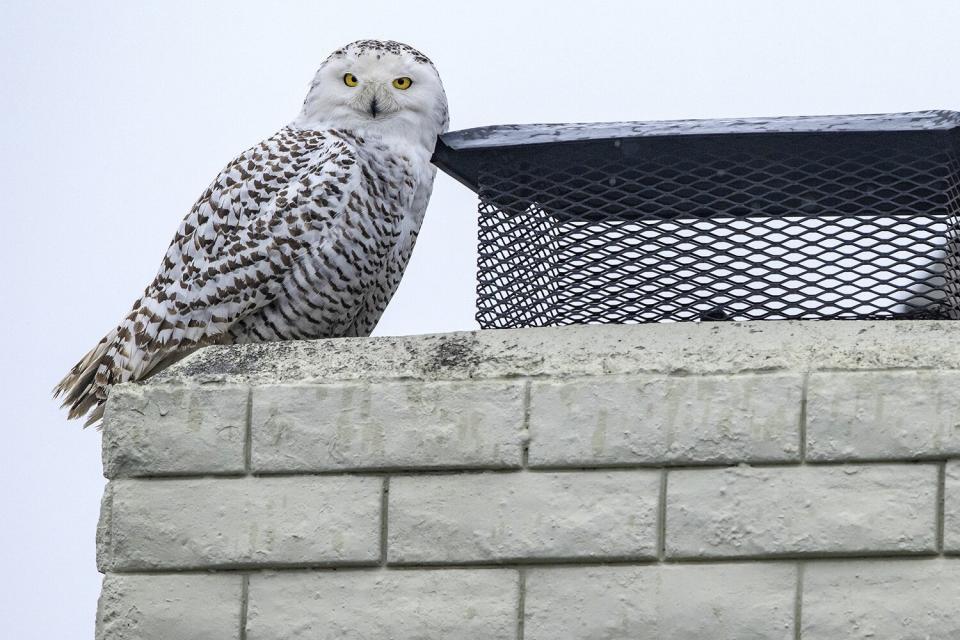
point(305, 235)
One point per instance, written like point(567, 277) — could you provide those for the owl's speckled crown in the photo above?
point(362, 47)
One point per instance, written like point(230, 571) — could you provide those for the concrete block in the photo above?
point(693, 602)
point(746, 511)
point(384, 605)
point(162, 607)
point(660, 419)
point(502, 516)
point(951, 508)
point(687, 348)
point(157, 430)
point(905, 599)
point(387, 425)
point(245, 522)
point(876, 415)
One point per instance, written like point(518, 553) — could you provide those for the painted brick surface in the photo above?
point(883, 415)
point(384, 605)
point(693, 602)
point(162, 607)
point(564, 483)
point(746, 511)
point(906, 600)
point(501, 516)
point(951, 507)
point(659, 419)
point(158, 430)
point(393, 425)
point(170, 524)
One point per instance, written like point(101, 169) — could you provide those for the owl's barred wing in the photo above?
point(304, 236)
point(228, 259)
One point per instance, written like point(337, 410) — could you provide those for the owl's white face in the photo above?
point(378, 87)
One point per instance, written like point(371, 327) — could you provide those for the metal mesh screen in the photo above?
point(819, 228)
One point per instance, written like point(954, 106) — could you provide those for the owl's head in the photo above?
point(378, 87)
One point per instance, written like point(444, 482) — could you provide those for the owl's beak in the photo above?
point(375, 102)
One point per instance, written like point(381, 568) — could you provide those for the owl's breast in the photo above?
point(341, 285)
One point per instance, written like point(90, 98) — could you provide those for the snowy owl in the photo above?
point(305, 235)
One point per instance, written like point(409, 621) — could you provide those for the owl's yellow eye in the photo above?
point(350, 80)
point(402, 83)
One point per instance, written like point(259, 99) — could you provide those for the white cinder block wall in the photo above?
point(766, 480)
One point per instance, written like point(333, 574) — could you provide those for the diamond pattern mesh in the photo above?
point(803, 227)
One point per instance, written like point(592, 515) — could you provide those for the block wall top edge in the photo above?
point(681, 348)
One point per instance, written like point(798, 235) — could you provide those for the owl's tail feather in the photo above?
point(119, 357)
point(140, 346)
point(78, 388)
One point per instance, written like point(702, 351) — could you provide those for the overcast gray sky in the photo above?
point(115, 115)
